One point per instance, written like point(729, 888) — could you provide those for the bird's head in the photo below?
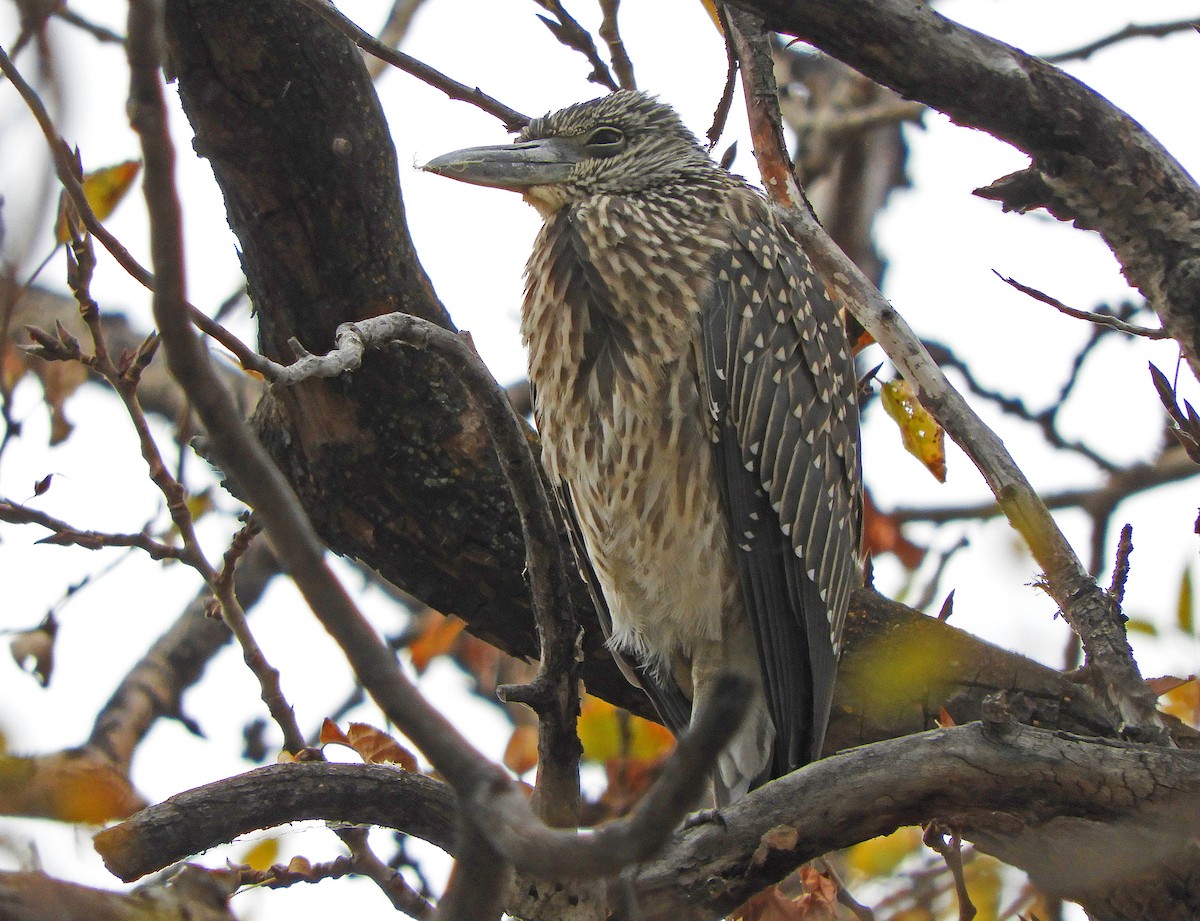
point(620, 144)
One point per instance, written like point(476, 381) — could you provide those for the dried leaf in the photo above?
point(331, 734)
point(373, 745)
point(816, 900)
point(436, 639)
point(919, 431)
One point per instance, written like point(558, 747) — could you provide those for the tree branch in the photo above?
point(1092, 163)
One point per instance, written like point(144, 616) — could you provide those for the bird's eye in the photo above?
point(605, 141)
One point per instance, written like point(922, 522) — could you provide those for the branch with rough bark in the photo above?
point(1091, 164)
point(1062, 807)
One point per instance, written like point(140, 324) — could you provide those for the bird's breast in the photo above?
point(611, 320)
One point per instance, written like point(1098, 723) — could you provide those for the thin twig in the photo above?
point(951, 852)
point(1155, 30)
point(570, 33)
point(721, 113)
point(554, 694)
point(616, 45)
point(511, 118)
point(1120, 486)
point(393, 31)
point(1099, 318)
point(1046, 419)
point(1116, 589)
point(98, 32)
point(857, 908)
point(366, 863)
point(65, 535)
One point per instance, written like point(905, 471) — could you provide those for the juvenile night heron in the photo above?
point(695, 395)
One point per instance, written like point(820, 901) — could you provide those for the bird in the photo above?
point(696, 401)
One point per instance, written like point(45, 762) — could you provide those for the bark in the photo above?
point(1108, 824)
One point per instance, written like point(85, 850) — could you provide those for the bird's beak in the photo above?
point(510, 166)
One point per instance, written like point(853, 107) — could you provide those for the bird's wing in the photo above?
point(672, 707)
point(781, 389)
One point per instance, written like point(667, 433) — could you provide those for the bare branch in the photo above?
point(1133, 30)
point(66, 535)
point(1116, 591)
point(570, 33)
point(98, 32)
point(1099, 318)
point(1171, 468)
point(511, 118)
point(616, 46)
point(393, 31)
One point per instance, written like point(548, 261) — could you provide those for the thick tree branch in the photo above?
point(1092, 164)
point(1063, 808)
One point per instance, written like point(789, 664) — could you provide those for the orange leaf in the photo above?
point(1183, 701)
point(882, 533)
point(521, 753)
point(373, 745)
point(815, 901)
point(70, 786)
point(331, 734)
point(436, 639)
point(1167, 683)
point(104, 189)
point(923, 438)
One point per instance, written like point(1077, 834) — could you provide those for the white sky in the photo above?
point(942, 244)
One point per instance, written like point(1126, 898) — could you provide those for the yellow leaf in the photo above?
point(608, 733)
point(899, 670)
point(879, 857)
point(1183, 701)
point(922, 437)
point(71, 786)
point(104, 188)
point(1183, 606)
point(982, 876)
point(261, 855)
point(710, 7)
